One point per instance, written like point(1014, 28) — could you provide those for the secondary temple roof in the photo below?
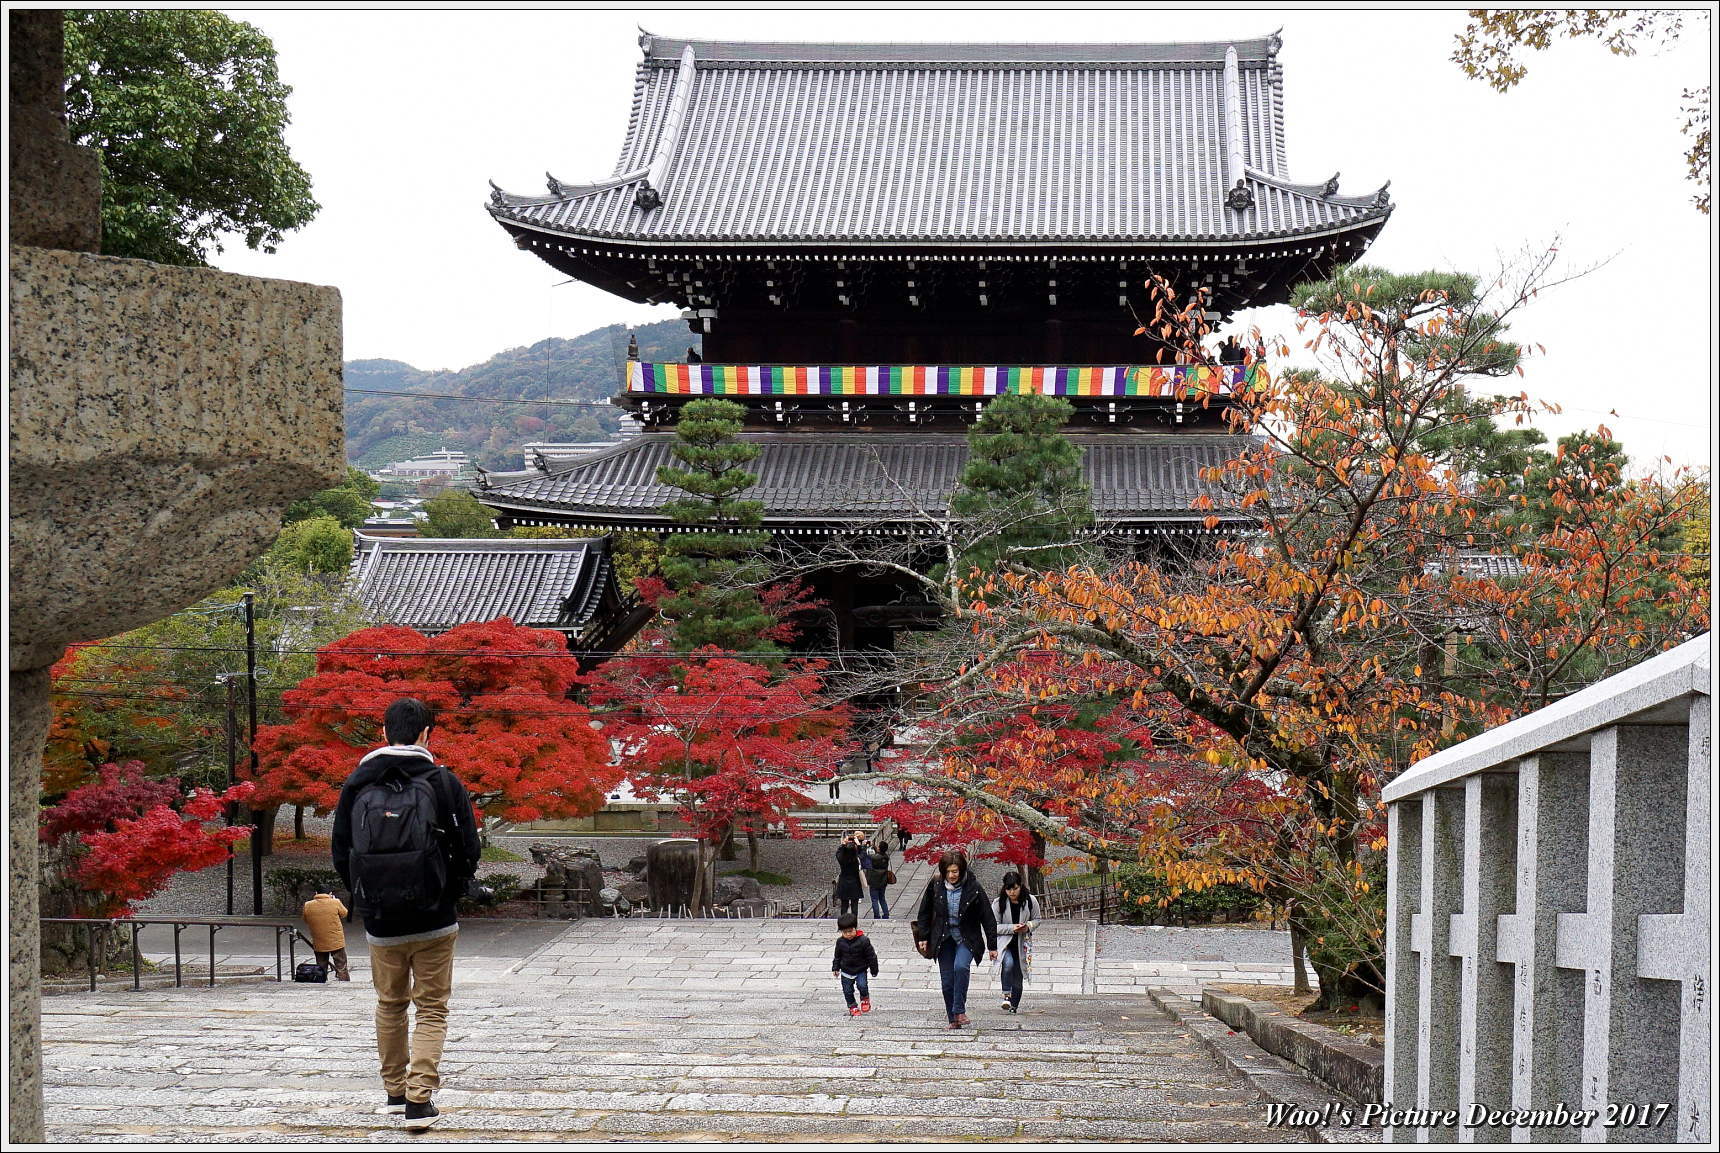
point(997, 144)
point(433, 585)
point(853, 477)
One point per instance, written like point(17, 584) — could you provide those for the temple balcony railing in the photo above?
point(918, 392)
point(1548, 920)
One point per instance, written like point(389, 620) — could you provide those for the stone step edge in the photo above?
point(1274, 1078)
point(1356, 1070)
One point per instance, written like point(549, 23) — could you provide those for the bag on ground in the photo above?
point(311, 973)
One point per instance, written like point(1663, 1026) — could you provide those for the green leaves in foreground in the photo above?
point(189, 115)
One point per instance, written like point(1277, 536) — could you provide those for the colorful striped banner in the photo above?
point(1085, 381)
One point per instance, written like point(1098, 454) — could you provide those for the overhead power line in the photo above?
point(603, 404)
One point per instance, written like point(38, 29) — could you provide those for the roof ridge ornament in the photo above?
point(650, 193)
point(1240, 196)
point(1382, 198)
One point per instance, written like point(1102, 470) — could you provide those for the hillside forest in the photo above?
point(381, 429)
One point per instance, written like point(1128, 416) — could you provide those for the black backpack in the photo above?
point(310, 971)
point(398, 863)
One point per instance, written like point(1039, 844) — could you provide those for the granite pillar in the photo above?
point(1675, 947)
point(1430, 933)
point(1489, 864)
point(26, 733)
point(162, 419)
point(1403, 975)
point(1552, 878)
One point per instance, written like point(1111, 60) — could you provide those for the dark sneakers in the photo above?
point(419, 1116)
point(394, 1105)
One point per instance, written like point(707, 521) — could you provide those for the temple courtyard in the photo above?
point(660, 1029)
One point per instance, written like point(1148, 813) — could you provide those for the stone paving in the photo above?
point(658, 1030)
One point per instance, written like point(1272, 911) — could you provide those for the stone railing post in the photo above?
point(1560, 863)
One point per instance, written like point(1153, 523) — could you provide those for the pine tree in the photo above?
point(1022, 490)
point(714, 572)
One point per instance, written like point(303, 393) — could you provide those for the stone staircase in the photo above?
point(652, 1030)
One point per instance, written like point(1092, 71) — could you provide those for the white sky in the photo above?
point(401, 117)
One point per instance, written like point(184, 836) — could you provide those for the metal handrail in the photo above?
point(104, 925)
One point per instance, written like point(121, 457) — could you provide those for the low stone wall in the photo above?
point(1356, 1070)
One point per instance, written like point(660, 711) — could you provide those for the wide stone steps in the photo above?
point(561, 1046)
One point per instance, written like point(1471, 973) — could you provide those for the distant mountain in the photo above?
point(380, 429)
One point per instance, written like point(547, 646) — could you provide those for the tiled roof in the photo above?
point(1490, 565)
point(999, 144)
point(859, 477)
point(435, 584)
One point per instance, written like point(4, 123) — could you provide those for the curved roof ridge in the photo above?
point(474, 544)
point(666, 51)
point(1327, 190)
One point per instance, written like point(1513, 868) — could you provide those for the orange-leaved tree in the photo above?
point(1362, 601)
point(505, 721)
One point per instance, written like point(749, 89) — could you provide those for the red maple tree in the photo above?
point(726, 738)
point(505, 722)
point(121, 838)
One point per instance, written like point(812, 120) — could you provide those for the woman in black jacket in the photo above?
point(956, 920)
point(848, 891)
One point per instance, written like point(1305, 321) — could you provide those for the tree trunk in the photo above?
point(1298, 962)
point(1102, 866)
point(298, 822)
point(726, 845)
point(1034, 875)
point(66, 948)
point(262, 823)
point(701, 885)
point(752, 851)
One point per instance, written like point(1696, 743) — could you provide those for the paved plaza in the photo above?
point(660, 1029)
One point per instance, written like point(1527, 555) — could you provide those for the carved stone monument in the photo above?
point(162, 419)
point(669, 872)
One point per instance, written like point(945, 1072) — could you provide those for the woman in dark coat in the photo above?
point(957, 921)
point(848, 891)
point(877, 865)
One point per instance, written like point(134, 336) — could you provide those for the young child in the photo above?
point(853, 958)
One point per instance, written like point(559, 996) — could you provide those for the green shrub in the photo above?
point(763, 876)
point(1144, 898)
point(293, 885)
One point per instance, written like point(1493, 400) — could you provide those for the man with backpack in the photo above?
point(405, 844)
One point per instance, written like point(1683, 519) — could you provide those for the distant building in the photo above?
point(403, 526)
point(433, 585)
point(445, 463)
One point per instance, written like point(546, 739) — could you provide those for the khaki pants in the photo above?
point(421, 972)
point(335, 958)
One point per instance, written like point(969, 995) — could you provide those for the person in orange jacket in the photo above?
point(323, 914)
